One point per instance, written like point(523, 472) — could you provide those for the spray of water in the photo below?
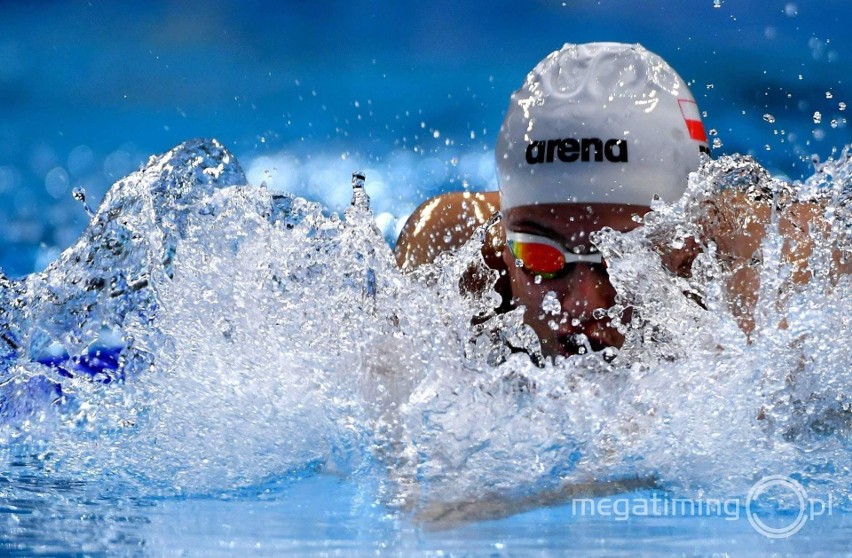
point(254, 336)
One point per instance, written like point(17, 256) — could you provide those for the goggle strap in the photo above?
point(583, 258)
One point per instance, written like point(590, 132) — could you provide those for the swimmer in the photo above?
point(596, 131)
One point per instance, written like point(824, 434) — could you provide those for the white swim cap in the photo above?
point(599, 123)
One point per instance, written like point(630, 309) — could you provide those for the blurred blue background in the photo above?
point(412, 92)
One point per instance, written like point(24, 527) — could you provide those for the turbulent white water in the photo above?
point(262, 337)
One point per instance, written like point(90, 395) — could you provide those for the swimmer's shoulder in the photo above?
point(445, 222)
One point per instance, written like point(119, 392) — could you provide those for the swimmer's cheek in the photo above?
point(679, 260)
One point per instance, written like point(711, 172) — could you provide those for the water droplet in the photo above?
point(550, 304)
point(769, 118)
point(791, 10)
point(717, 143)
point(717, 3)
point(817, 117)
point(79, 194)
point(713, 131)
point(829, 95)
point(537, 280)
point(709, 86)
point(599, 313)
point(841, 106)
point(436, 134)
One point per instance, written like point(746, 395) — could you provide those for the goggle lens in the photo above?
point(543, 256)
point(538, 258)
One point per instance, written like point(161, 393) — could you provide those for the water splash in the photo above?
point(253, 335)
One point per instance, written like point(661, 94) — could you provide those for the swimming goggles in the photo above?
point(542, 256)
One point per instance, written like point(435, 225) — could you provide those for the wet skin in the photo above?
point(734, 222)
point(582, 287)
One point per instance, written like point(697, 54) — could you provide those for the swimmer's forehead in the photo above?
point(570, 223)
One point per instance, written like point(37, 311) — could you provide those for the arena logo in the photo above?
point(569, 150)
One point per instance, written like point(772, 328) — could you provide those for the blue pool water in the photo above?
point(415, 93)
point(215, 354)
point(324, 515)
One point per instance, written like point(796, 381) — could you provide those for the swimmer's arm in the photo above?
point(442, 223)
point(737, 224)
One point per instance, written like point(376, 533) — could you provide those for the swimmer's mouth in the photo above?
point(577, 344)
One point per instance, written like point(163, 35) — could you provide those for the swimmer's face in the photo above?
point(580, 287)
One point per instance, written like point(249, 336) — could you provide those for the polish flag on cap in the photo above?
point(689, 110)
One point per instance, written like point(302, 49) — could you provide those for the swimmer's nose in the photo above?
point(588, 288)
